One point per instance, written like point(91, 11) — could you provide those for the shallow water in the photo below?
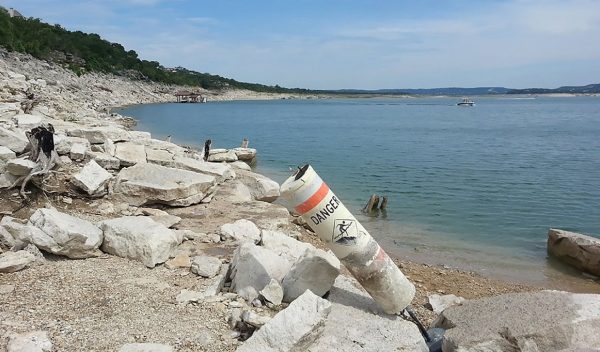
point(476, 188)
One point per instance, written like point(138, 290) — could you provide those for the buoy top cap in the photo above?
point(297, 187)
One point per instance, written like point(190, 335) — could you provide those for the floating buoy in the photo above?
point(348, 239)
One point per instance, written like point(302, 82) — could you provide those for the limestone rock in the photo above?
point(220, 155)
point(7, 180)
point(261, 187)
point(218, 282)
point(35, 341)
point(5, 155)
point(19, 167)
point(206, 266)
point(241, 165)
point(136, 135)
point(529, 321)
point(241, 230)
point(256, 320)
point(15, 141)
point(63, 144)
point(138, 238)
point(92, 178)
point(220, 171)
point(188, 296)
point(109, 147)
point(256, 266)
point(293, 329)
point(98, 135)
point(130, 154)
point(580, 251)
point(105, 160)
point(272, 292)
point(18, 233)
point(150, 184)
point(65, 234)
point(160, 157)
point(26, 121)
point(8, 110)
point(356, 323)
point(15, 261)
point(245, 154)
point(439, 303)
point(181, 260)
point(145, 347)
point(234, 191)
point(316, 270)
point(286, 246)
point(78, 151)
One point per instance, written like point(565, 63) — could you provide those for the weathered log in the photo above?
point(384, 201)
point(371, 204)
point(245, 143)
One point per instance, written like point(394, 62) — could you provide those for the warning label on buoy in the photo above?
point(345, 232)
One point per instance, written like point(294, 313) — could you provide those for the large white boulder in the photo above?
point(220, 155)
point(241, 230)
point(316, 270)
point(292, 329)
point(254, 266)
point(92, 178)
point(98, 135)
point(148, 183)
point(18, 233)
point(528, 321)
point(220, 171)
point(13, 140)
point(285, 246)
point(138, 238)
point(261, 187)
point(63, 144)
point(15, 261)
point(78, 151)
point(580, 251)
point(245, 154)
point(130, 153)
point(66, 235)
point(19, 167)
point(26, 121)
point(357, 323)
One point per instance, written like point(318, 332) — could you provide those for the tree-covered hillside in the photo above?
point(83, 52)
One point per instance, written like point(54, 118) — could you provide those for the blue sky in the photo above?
point(352, 44)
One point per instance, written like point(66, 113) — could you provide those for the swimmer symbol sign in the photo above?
point(345, 232)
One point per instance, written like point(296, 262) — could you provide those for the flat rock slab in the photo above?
point(15, 141)
point(357, 323)
point(27, 121)
point(66, 235)
point(531, 321)
point(580, 251)
point(130, 153)
point(92, 178)
point(261, 187)
point(63, 144)
point(15, 261)
point(245, 154)
point(138, 238)
point(98, 135)
point(293, 329)
point(154, 184)
point(19, 167)
point(219, 170)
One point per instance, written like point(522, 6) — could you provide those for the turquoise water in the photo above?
point(476, 187)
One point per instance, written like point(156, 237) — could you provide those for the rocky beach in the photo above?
point(130, 243)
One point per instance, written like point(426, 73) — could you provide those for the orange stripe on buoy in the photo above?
point(314, 200)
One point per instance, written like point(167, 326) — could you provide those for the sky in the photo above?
point(335, 44)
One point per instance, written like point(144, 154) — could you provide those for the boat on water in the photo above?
point(466, 102)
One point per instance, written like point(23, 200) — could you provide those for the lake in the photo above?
point(470, 187)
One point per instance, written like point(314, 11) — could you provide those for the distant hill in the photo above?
point(83, 52)
point(428, 91)
point(589, 89)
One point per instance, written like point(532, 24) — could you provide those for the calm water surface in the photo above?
point(475, 188)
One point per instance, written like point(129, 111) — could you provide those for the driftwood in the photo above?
point(245, 143)
point(375, 204)
point(41, 144)
point(206, 150)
